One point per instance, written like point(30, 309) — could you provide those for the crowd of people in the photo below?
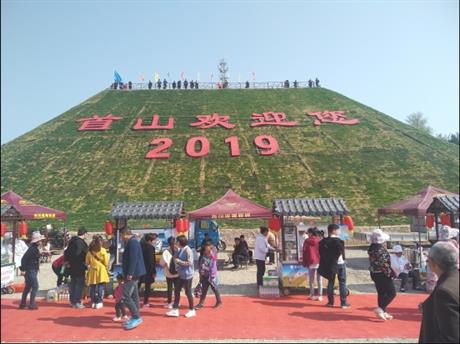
point(185, 84)
point(323, 256)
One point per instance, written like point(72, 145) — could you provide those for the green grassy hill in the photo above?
point(378, 161)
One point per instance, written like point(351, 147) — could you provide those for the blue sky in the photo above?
point(398, 57)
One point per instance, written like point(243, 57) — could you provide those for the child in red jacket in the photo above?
point(311, 261)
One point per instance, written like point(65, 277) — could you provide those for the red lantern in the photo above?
point(347, 220)
point(274, 224)
point(3, 229)
point(23, 229)
point(429, 221)
point(182, 226)
point(445, 220)
point(108, 226)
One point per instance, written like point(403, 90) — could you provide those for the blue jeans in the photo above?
point(311, 280)
point(131, 297)
point(95, 292)
point(342, 276)
point(31, 286)
point(77, 283)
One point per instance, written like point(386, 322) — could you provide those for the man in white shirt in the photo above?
point(403, 269)
point(157, 243)
point(261, 248)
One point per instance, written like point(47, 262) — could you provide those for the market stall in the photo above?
point(290, 269)
point(122, 212)
point(445, 208)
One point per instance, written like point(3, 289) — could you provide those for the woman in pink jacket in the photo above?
point(310, 257)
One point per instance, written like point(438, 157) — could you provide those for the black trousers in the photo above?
point(205, 284)
point(385, 289)
point(187, 285)
point(120, 309)
point(172, 284)
point(60, 276)
point(147, 287)
point(260, 271)
point(415, 278)
point(271, 256)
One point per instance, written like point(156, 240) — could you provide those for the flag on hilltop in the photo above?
point(117, 77)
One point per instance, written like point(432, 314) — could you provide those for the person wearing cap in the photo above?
point(75, 257)
point(381, 272)
point(403, 269)
point(440, 320)
point(30, 263)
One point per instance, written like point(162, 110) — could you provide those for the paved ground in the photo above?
point(240, 318)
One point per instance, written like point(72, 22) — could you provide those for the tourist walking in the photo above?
point(381, 273)
point(208, 275)
point(97, 260)
point(120, 311)
point(310, 257)
point(261, 248)
point(184, 264)
point(172, 276)
point(30, 263)
point(441, 309)
point(133, 268)
point(74, 258)
point(332, 265)
point(148, 252)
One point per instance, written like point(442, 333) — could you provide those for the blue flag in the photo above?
point(117, 77)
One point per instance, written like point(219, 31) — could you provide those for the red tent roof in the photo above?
point(30, 210)
point(416, 205)
point(231, 206)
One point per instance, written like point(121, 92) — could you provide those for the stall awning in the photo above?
point(30, 210)
point(416, 205)
point(9, 213)
point(444, 204)
point(147, 210)
point(310, 207)
point(231, 206)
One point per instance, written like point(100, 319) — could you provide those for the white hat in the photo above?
point(36, 236)
point(446, 233)
point(397, 249)
point(378, 236)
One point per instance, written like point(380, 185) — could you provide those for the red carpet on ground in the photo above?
point(241, 317)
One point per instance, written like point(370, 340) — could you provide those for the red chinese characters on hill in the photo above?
point(97, 123)
point(337, 117)
point(155, 125)
point(214, 120)
point(271, 118)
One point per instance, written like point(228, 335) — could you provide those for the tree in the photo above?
point(418, 121)
point(223, 69)
point(453, 138)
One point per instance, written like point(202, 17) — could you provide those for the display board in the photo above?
point(290, 243)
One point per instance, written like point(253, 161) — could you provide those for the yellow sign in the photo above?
point(44, 216)
point(231, 216)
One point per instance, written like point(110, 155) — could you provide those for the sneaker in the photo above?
point(380, 313)
point(199, 306)
point(93, 305)
point(22, 306)
point(133, 323)
point(125, 318)
point(218, 305)
point(345, 306)
point(99, 305)
point(173, 313)
point(146, 305)
point(329, 305)
point(314, 298)
point(311, 297)
point(320, 298)
point(169, 305)
point(117, 319)
point(33, 307)
point(190, 313)
point(402, 290)
point(387, 316)
point(79, 306)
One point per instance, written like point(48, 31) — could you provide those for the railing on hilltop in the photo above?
point(216, 85)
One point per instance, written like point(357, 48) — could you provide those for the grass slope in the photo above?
point(371, 164)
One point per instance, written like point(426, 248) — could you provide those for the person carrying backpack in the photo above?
point(170, 270)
